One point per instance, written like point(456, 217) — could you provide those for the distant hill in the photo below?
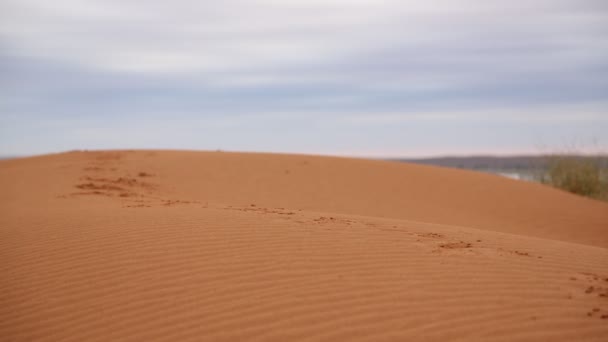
point(492, 163)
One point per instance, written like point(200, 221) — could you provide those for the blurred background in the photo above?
point(369, 78)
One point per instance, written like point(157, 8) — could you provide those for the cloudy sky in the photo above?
point(348, 77)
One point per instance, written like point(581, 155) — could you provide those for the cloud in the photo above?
point(341, 61)
point(157, 36)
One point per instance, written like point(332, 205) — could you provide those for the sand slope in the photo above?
point(167, 245)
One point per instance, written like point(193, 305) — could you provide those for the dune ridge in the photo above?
point(174, 245)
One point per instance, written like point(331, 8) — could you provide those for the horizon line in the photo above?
point(404, 156)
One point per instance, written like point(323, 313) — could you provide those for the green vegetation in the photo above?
point(586, 176)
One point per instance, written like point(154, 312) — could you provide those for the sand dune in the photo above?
point(171, 245)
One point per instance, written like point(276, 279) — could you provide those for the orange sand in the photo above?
point(168, 245)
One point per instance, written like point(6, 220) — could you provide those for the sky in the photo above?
point(369, 78)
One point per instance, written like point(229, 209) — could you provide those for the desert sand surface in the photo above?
point(216, 246)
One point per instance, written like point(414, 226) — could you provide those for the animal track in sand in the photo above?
point(596, 284)
point(96, 192)
point(169, 203)
point(138, 206)
point(519, 253)
point(456, 245)
point(289, 214)
point(597, 312)
point(595, 287)
point(601, 291)
point(331, 219)
point(431, 235)
point(112, 184)
point(262, 210)
point(121, 186)
point(124, 181)
point(93, 186)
